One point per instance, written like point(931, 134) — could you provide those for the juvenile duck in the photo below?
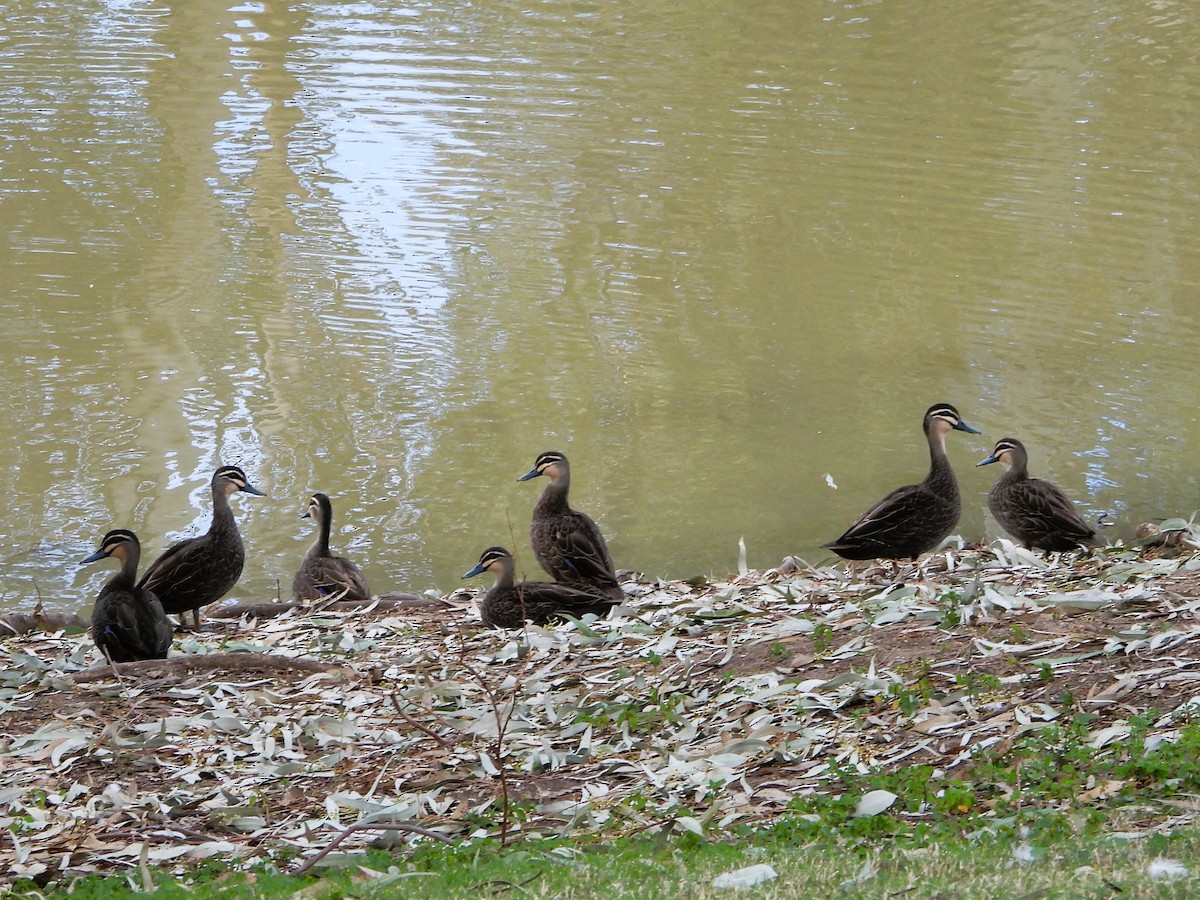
point(509, 603)
point(915, 518)
point(567, 543)
point(128, 622)
point(200, 570)
point(1033, 511)
point(321, 574)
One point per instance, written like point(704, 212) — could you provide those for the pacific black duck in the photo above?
point(128, 622)
point(509, 603)
point(917, 517)
point(321, 574)
point(200, 570)
point(1033, 511)
point(567, 543)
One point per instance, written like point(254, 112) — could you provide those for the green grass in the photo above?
point(986, 867)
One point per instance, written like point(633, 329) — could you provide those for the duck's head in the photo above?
point(493, 559)
point(231, 479)
point(1007, 451)
point(552, 464)
point(319, 508)
point(119, 543)
point(942, 418)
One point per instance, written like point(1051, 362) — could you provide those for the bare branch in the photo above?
point(369, 826)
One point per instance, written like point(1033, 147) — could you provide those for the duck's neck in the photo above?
point(126, 576)
point(223, 521)
point(554, 497)
point(506, 578)
point(1018, 469)
point(320, 546)
point(941, 473)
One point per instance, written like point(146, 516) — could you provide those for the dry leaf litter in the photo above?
point(695, 706)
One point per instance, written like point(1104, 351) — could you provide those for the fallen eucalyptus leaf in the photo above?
point(873, 803)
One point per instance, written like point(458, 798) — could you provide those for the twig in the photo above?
point(144, 868)
point(496, 885)
point(369, 826)
point(424, 729)
point(168, 825)
point(502, 722)
point(497, 745)
point(112, 665)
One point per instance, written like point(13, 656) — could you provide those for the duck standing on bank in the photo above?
point(567, 543)
point(201, 570)
point(509, 603)
point(1033, 511)
point(322, 574)
point(128, 622)
point(913, 519)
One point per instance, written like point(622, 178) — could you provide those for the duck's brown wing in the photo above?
point(1040, 515)
point(907, 522)
point(584, 556)
point(325, 576)
point(131, 625)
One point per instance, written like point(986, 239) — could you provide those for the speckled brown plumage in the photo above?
point(508, 604)
point(1033, 511)
point(913, 519)
point(200, 570)
point(128, 622)
point(322, 574)
point(566, 542)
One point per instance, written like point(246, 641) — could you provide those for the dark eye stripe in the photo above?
point(233, 473)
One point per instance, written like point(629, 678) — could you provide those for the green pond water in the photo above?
point(722, 254)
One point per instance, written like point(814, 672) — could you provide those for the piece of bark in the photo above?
point(22, 623)
point(382, 603)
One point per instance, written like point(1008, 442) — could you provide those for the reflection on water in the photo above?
point(714, 253)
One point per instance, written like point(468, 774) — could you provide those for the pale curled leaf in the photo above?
point(873, 803)
point(866, 872)
point(688, 823)
point(748, 877)
point(1163, 869)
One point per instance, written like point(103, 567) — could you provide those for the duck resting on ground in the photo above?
point(509, 603)
point(567, 543)
point(913, 519)
point(128, 622)
point(322, 574)
point(1033, 511)
point(201, 570)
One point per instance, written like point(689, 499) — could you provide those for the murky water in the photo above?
point(714, 251)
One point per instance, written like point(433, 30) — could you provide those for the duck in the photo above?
point(509, 603)
point(128, 622)
point(915, 518)
point(567, 543)
point(201, 570)
point(1035, 512)
point(321, 574)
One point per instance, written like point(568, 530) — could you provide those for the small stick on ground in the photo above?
point(369, 826)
